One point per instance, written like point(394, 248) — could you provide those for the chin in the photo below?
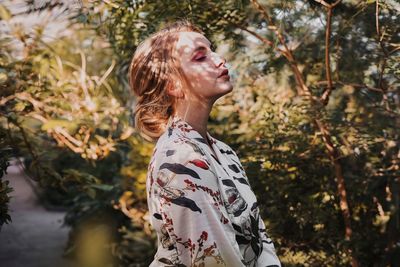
point(223, 90)
point(227, 87)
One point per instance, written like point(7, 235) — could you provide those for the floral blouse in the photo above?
point(201, 204)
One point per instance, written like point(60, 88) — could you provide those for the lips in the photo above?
point(224, 72)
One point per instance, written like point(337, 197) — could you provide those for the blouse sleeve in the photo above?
point(268, 257)
point(192, 210)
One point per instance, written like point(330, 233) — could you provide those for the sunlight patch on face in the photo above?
point(204, 83)
point(188, 42)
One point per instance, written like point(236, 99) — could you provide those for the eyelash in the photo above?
point(204, 57)
point(201, 58)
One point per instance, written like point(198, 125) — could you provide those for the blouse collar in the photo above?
point(176, 122)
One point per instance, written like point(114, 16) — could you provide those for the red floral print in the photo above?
point(201, 204)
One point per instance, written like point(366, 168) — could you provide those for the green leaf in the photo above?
point(92, 193)
point(3, 78)
point(32, 123)
point(20, 106)
point(5, 14)
point(103, 187)
point(69, 125)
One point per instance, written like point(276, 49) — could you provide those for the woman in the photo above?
point(200, 201)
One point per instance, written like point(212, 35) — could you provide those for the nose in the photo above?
point(218, 60)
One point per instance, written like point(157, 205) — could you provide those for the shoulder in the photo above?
point(177, 149)
point(226, 149)
point(181, 163)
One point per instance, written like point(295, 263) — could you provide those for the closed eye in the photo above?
point(201, 58)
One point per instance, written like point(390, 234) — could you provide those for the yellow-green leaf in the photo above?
point(68, 125)
point(5, 14)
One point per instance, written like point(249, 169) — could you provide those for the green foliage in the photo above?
point(5, 189)
point(274, 130)
point(66, 105)
point(4, 200)
point(74, 134)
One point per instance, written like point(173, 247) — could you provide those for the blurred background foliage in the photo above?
point(314, 118)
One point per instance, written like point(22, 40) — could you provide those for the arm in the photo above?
point(192, 210)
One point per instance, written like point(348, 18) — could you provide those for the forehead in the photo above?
point(188, 41)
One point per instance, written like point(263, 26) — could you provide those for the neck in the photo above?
point(196, 114)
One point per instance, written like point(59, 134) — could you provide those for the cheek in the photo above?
point(200, 74)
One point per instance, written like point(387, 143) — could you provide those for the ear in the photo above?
point(175, 89)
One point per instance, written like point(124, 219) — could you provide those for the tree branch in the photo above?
point(262, 39)
point(302, 88)
point(386, 55)
point(328, 91)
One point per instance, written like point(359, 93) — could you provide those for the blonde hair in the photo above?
point(152, 70)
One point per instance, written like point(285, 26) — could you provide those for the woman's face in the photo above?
point(202, 67)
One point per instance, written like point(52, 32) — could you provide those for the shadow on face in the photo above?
point(205, 74)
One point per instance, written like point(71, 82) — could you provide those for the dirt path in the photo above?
point(35, 237)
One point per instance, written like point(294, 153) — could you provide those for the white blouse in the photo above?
point(202, 206)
